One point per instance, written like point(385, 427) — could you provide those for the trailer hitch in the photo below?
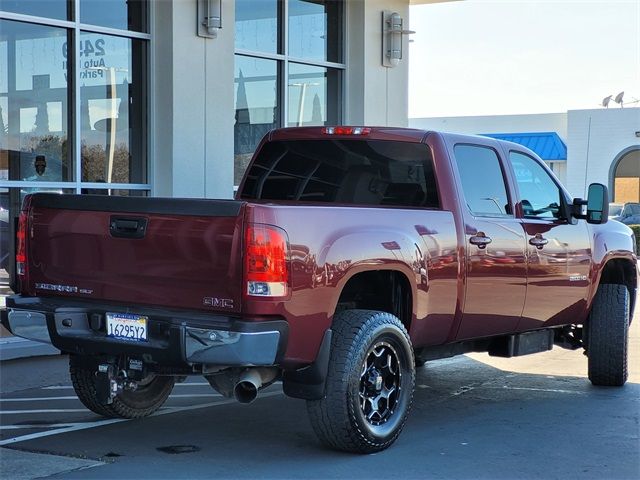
point(110, 382)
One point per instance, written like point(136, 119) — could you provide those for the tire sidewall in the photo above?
point(382, 435)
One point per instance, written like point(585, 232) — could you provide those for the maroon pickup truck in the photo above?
point(351, 256)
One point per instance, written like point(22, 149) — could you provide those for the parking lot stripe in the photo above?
point(35, 399)
point(51, 410)
point(110, 421)
point(70, 387)
point(37, 425)
point(73, 397)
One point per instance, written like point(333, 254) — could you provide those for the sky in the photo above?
point(503, 57)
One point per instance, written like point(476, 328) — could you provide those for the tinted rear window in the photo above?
point(359, 172)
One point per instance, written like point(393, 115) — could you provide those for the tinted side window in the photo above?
point(482, 180)
point(539, 194)
point(359, 172)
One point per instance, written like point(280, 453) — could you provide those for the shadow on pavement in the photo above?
point(469, 420)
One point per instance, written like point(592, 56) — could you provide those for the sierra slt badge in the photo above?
point(217, 302)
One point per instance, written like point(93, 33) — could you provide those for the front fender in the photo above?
point(611, 241)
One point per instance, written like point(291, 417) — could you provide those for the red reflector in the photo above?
point(346, 130)
point(266, 255)
point(21, 243)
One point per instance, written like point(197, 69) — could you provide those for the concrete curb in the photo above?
point(12, 348)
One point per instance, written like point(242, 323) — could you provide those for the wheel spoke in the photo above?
point(379, 383)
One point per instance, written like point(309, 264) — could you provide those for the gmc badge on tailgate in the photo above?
point(217, 302)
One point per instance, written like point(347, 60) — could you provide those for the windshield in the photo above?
point(631, 209)
point(614, 209)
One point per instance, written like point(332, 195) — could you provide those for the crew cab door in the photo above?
point(558, 253)
point(494, 242)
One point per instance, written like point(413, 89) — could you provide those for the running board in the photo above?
point(522, 344)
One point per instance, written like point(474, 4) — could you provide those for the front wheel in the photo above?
point(608, 336)
point(370, 383)
point(150, 395)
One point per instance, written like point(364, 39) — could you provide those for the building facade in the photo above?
point(125, 97)
point(602, 145)
point(171, 97)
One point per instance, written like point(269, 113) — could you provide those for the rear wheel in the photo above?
point(608, 336)
point(370, 383)
point(150, 395)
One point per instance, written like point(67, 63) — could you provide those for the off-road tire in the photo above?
point(149, 397)
point(608, 336)
point(339, 419)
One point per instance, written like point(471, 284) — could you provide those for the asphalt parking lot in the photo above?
point(473, 417)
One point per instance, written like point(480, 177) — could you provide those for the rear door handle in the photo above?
point(480, 240)
point(128, 227)
point(538, 241)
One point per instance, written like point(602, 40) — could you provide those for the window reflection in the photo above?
point(256, 112)
point(309, 88)
point(257, 25)
point(120, 14)
point(315, 29)
point(33, 103)
point(42, 8)
point(111, 109)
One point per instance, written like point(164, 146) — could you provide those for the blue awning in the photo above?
point(548, 145)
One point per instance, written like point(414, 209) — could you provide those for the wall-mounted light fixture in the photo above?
point(392, 38)
point(209, 18)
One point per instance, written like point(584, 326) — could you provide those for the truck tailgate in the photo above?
point(176, 253)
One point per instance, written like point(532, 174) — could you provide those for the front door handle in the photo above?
point(480, 240)
point(538, 241)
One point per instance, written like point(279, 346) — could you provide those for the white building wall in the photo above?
point(545, 122)
point(595, 138)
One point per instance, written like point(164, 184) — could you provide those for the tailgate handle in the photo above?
point(128, 227)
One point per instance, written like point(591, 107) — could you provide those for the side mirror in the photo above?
point(597, 205)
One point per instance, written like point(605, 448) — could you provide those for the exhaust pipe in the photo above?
point(250, 381)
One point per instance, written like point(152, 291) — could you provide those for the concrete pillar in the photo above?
point(192, 122)
point(375, 95)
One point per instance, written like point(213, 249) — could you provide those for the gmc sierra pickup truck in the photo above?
point(351, 256)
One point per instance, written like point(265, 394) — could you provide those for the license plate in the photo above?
point(127, 326)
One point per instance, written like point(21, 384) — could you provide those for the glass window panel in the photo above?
point(313, 95)
point(363, 172)
point(121, 14)
point(112, 109)
point(34, 103)
point(489, 196)
point(115, 192)
point(539, 194)
point(42, 8)
point(315, 29)
point(256, 101)
point(257, 25)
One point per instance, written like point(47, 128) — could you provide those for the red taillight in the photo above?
point(346, 130)
point(266, 261)
point(21, 244)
